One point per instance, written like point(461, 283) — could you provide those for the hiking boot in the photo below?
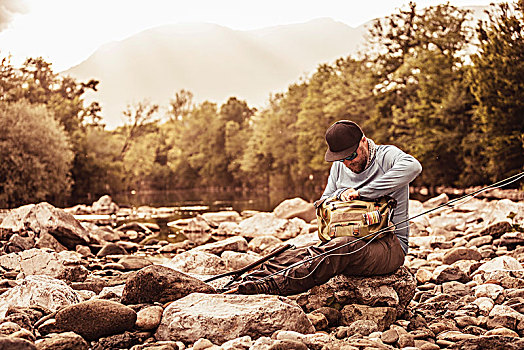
point(267, 286)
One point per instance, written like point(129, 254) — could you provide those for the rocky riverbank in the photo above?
point(68, 284)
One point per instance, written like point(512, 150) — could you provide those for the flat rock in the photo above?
point(96, 318)
point(235, 261)
point(39, 290)
point(134, 262)
point(500, 263)
point(436, 201)
point(149, 317)
point(221, 318)
point(261, 244)
point(104, 205)
point(383, 316)
point(504, 316)
point(512, 238)
point(11, 343)
point(161, 284)
point(304, 239)
point(490, 342)
point(197, 262)
point(125, 340)
point(295, 208)
point(62, 341)
point(236, 244)
point(111, 249)
point(395, 290)
point(262, 224)
point(447, 273)
point(66, 265)
point(221, 216)
point(460, 253)
point(497, 229)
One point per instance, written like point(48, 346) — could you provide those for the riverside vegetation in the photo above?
point(431, 81)
point(68, 284)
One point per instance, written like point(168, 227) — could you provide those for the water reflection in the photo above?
point(205, 200)
point(190, 203)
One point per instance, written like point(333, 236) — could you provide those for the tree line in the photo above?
point(444, 89)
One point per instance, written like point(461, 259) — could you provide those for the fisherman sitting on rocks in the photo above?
point(360, 169)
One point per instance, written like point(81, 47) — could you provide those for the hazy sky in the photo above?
point(65, 32)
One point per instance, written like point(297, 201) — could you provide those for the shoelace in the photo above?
point(268, 286)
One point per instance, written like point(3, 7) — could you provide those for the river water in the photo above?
point(189, 203)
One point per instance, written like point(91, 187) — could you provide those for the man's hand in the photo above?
point(349, 194)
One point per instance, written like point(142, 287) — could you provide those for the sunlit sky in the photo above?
point(66, 32)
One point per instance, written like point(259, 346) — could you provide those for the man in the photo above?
point(360, 169)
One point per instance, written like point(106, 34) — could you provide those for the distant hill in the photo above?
point(214, 62)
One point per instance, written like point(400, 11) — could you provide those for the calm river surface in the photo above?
point(189, 203)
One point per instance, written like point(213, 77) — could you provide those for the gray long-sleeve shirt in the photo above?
point(388, 173)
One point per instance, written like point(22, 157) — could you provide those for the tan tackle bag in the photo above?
point(356, 218)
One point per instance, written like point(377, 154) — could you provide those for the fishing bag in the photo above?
point(356, 218)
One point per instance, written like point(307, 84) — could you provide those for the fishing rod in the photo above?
point(450, 204)
point(239, 272)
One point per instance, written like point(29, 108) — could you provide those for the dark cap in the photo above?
point(342, 138)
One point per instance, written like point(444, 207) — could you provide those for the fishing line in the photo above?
point(449, 204)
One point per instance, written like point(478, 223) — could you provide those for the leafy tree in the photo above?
point(497, 82)
point(35, 155)
point(271, 155)
point(97, 168)
point(398, 47)
point(312, 123)
point(236, 116)
point(138, 121)
point(36, 83)
point(181, 104)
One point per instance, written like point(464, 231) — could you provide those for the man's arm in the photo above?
point(331, 187)
point(400, 169)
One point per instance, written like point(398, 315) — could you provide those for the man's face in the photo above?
point(358, 164)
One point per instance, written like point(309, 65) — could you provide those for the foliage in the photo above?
point(497, 82)
point(97, 168)
point(420, 83)
point(35, 155)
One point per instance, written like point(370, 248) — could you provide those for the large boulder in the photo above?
point(395, 290)
point(44, 218)
point(220, 318)
point(295, 208)
point(161, 284)
point(96, 318)
point(262, 224)
point(66, 265)
point(39, 290)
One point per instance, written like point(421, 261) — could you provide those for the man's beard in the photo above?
point(359, 166)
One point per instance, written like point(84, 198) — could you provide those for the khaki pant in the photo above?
point(362, 258)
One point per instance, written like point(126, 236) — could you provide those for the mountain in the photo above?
point(212, 61)
point(215, 62)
